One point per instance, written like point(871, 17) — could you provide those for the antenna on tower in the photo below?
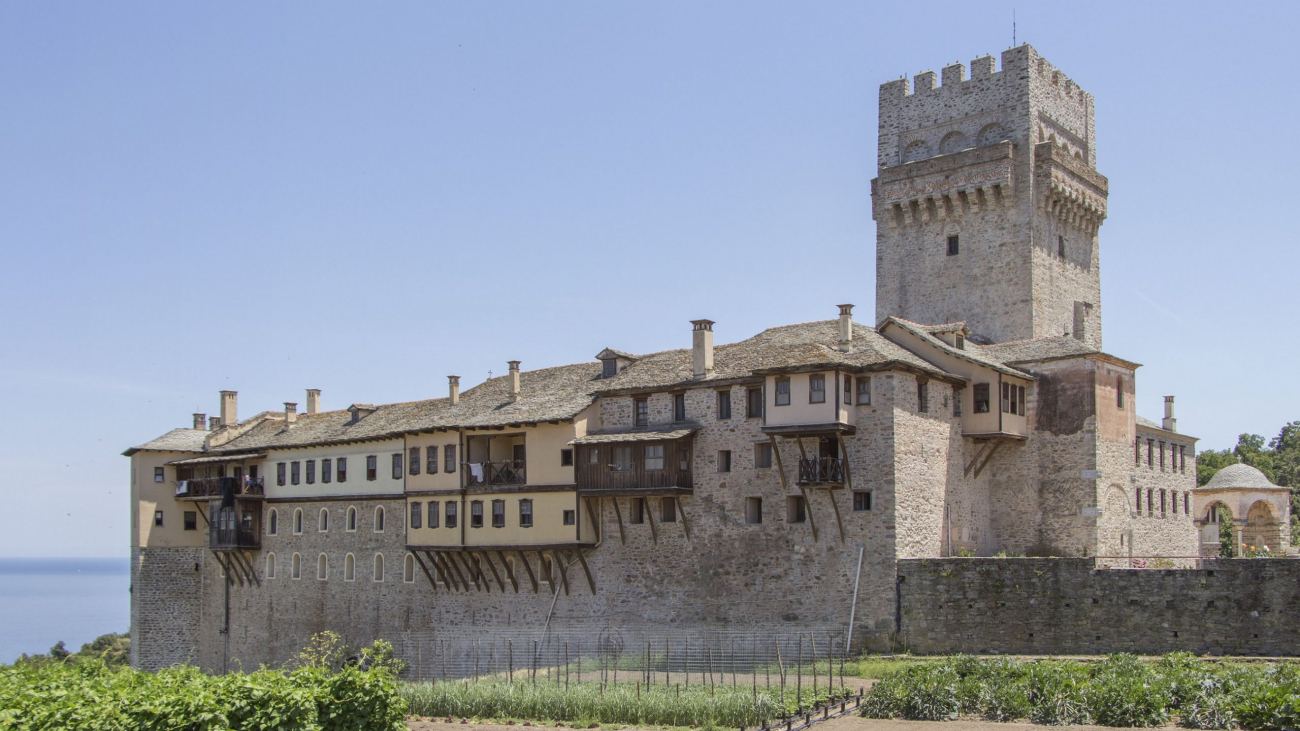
point(1013, 27)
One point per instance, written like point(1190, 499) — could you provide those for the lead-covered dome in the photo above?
point(1239, 475)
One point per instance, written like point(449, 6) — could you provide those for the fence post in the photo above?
point(510, 660)
point(566, 664)
point(686, 663)
point(534, 663)
point(812, 640)
point(798, 687)
point(780, 669)
point(444, 659)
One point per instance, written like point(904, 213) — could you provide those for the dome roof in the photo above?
point(1239, 475)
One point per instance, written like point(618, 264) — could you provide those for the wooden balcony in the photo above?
point(613, 468)
point(821, 471)
point(234, 528)
point(207, 488)
point(509, 472)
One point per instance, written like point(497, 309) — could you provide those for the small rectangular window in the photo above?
point(476, 514)
point(981, 398)
point(525, 513)
point(762, 455)
point(795, 510)
point(1182, 458)
point(1137, 501)
point(593, 455)
point(191, 520)
point(1015, 405)
point(343, 469)
point(861, 501)
point(961, 341)
point(608, 368)
point(782, 397)
point(724, 460)
point(754, 403)
point(668, 509)
point(397, 466)
point(1060, 246)
point(754, 510)
point(566, 457)
point(864, 390)
point(415, 460)
point(954, 245)
point(637, 514)
point(449, 458)
point(326, 469)
point(1187, 503)
point(922, 397)
point(158, 518)
point(956, 403)
point(295, 473)
point(1119, 392)
point(498, 513)
point(451, 514)
point(279, 474)
point(158, 474)
point(372, 467)
point(1162, 456)
point(431, 460)
point(848, 389)
point(417, 511)
point(1020, 390)
point(724, 405)
point(641, 410)
point(1151, 453)
point(621, 459)
point(817, 389)
point(654, 457)
point(679, 407)
point(1150, 501)
point(1006, 398)
point(311, 472)
point(1162, 501)
point(433, 513)
point(570, 517)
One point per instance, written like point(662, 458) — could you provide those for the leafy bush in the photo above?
point(1270, 702)
point(1126, 692)
point(1056, 693)
point(929, 692)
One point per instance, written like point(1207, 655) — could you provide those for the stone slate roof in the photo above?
point(176, 440)
point(972, 353)
point(806, 345)
point(561, 393)
point(639, 434)
point(1240, 476)
point(1036, 349)
point(1144, 423)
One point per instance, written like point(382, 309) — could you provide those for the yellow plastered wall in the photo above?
point(548, 521)
point(799, 411)
point(148, 496)
point(356, 484)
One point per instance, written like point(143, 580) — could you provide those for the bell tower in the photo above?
point(987, 201)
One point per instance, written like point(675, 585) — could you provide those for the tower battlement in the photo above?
point(988, 201)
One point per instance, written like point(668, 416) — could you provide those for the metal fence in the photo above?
point(797, 659)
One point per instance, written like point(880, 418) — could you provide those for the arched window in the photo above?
point(297, 521)
point(297, 567)
point(349, 568)
point(270, 565)
point(324, 520)
point(322, 567)
point(272, 522)
point(408, 569)
point(379, 519)
point(352, 518)
point(379, 567)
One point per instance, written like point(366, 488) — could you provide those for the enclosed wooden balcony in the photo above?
point(630, 462)
point(207, 488)
point(237, 527)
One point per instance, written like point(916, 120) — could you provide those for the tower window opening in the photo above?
point(953, 245)
point(1060, 246)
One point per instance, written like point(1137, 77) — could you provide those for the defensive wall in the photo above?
point(1068, 606)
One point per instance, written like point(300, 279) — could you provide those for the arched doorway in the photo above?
point(1262, 528)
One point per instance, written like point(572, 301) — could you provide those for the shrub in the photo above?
point(1056, 693)
point(1126, 692)
point(927, 692)
point(1269, 702)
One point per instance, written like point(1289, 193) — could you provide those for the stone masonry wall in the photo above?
point(1066, 606)
point(167, 586)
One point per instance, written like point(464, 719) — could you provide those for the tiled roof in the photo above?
point(176, 440)
point(809, 344)
point(973, 353)
point(1149, 424)
point(638, 434)
point(1036, 349)
point(1239, 476)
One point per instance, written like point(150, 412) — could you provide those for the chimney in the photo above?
point(1169, 423)
point(846, 328)
point(514, 380)
point(290, 413)
point(214, 423)
point(200, 422)
point(453, 389)
point(702, 348)
point(229, 401)
point(313, 400)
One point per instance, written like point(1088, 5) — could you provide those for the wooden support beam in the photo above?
point(650, 516)
point(475, 572)
point(591, 513)
point(247, 567)
point(997, 444)
point(622, 535)
point(780, 470)
point(785, 485)
point(450, 559)
point(202, 514)
point(440, 566)
point(591, 581)
point(231, 575)
point(493, 567)
point(686, 524)
point(807, 506)
point(836, 507)
point(425, 569)
point(979, 453)
point(510, 573)
point(529, 568)
point(557, 558)
point(844, 456)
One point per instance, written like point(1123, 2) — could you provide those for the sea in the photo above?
point(45, 600)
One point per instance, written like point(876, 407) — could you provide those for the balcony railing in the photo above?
point(510, 472)
point(626, 467)
point(823, 470)
point(227, 538)
point(214, 486)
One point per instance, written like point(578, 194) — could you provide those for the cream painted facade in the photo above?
point(151, 495)
point(357, 482)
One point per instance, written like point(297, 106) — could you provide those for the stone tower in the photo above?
point(987, 201)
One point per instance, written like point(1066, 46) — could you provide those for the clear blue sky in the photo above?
point(364, 198)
